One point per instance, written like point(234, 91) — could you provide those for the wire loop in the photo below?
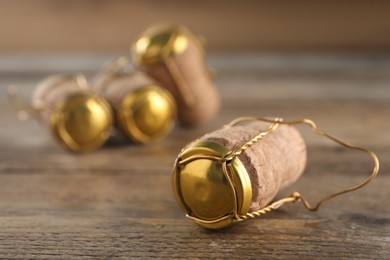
point(22, 107)
point(297, 196)
point(294, 197)
point(25, 110)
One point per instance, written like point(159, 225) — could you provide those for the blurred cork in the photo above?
point(78, 118)
point(53, 89)
point(114, 86)
point(144, 111)
point(175, 57)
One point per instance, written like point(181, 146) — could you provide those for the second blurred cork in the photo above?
point(175, 57)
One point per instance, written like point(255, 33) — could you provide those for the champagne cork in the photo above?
point(144, 111)
point(175, 58)
point(50, 91)
point(272, 163)
point(211, 198)
point(79, 119)
point(114, 86)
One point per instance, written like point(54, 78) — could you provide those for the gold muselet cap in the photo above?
point(160, 41)
point(210, 187)
point(82, 121)
point(147, 114)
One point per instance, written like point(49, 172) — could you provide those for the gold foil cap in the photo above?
point(210, 190)
point(147, 114)
point(82, 122)
point(160, 41)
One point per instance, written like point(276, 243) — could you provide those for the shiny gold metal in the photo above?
point(209, 189)
point(147, 114)
point(160, 41)
point(159, 44)
point(82, 122)
point(212, 186)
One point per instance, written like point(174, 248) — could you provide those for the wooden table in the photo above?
point(118, 202)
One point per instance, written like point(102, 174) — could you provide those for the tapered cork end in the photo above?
point(180, 67)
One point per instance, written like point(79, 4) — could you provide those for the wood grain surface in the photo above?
point(118, 201)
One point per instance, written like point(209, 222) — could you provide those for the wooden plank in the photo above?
point(103, 215)
point(118, 202)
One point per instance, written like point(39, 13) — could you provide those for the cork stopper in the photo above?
point(272, 163)
point(51, 90)
point(145, 112)
point(79, 119)
point(214, 187)
point(174, 57)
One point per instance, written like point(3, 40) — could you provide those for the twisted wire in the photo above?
point(252, 141)
point(295, 196)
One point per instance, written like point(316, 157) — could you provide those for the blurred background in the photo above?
point(44, 26)
point(272, 45)
point(324, 60)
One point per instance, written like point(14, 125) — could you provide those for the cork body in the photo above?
point(144, 111)
point(115, 86)
point(186, 76)
point(272, 163)
point(50, 91)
